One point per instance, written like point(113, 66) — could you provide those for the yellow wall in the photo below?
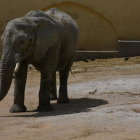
point(101, 22)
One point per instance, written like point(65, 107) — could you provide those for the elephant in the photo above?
point(47, 40)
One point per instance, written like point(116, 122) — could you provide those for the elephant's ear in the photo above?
point(46, 37)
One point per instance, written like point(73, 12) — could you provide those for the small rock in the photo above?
point(87, 60)
point(127, 58)
point(93, 92)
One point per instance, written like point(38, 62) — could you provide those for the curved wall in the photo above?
point(102, 23)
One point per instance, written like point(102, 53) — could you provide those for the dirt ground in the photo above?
point(104, 105)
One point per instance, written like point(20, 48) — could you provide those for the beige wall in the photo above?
point(101, 22)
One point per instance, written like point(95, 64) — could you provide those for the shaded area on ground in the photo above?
point(75, 106)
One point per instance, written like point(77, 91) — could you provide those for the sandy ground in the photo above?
point(104, 105)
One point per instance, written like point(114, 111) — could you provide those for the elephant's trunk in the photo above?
point(6, 74)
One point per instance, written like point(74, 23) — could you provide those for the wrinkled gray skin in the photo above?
point(45, 39)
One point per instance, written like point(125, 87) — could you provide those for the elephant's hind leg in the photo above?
point(19, 89)
point(63, 93)
point(53, 95)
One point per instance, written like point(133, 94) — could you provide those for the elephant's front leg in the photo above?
point(19, 89)
point(45, 90)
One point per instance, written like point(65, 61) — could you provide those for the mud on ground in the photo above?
point(104, 105)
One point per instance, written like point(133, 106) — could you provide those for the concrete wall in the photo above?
point(102, 22)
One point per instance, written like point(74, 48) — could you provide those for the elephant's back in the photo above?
point(56, 16)
point(62, 17)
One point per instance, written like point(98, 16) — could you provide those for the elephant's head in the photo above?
point(18, 39)
point(24, 37)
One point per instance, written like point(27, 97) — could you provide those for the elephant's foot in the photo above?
point(63, 100)
point(45, 108)
point(18, 108)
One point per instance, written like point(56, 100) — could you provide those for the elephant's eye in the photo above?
point(21, 42)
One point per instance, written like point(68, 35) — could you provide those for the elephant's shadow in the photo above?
point(75, 106)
